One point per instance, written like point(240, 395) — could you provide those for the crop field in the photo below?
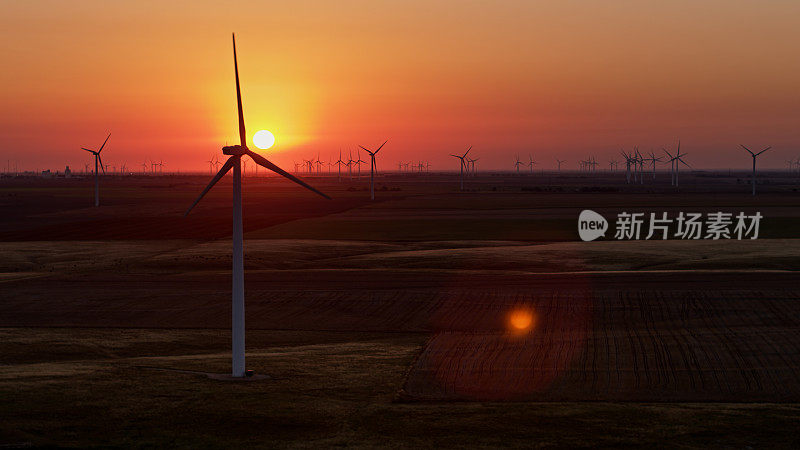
point(643, 346)
point(429, 317)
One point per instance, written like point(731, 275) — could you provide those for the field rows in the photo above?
point(636, 346)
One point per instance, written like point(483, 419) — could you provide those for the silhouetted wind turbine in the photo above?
point(235, 162)
point(472, 165)
point(339, 165)
point(350, 165)
point(461, 158)
point(754, 155)
point(97, 161)
point(559, 163)
point(654, 159)
point(627, 166)
point(372, 168)
point(360, 161)
point(517, 164)
point(675, 160)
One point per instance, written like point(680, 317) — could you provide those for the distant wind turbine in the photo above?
point(675, 160)
point(360, 161)
point(97, 161)
point(517, 164)
point(235, 162)
point(461, 159)
point(754, 155)
point(372, 169)
point(339, 163)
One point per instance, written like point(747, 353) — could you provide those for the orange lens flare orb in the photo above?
point(263, 139)
point(521, 320)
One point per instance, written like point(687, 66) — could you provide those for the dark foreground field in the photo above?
point(393, 324)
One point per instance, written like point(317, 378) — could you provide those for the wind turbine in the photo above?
point(593, 163)
point(654, 159)
point(350, 162)
point(235, 162)
point(637, 164)
point(627, 166)
point(372, 168)
point(97, 161)
point(361, 161)
point(461, 158)
point(754, 155)
point(472, 165)
point(559, 163)
point(339, 165)
point(517, 164)
point(675, 160)
point(531, 163)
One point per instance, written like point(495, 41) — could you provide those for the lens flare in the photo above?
point(521, 320)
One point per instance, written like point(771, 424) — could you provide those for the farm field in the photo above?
point(398, 323)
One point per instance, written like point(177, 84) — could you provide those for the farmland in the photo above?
point(367, 315)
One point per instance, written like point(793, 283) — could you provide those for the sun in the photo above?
point(263, 139)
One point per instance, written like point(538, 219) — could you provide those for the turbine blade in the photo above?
point(351, 155)
point(101, 162)
point(762, 151)
point(263, 162)
point(748, 150)
point(242, 132)
point(379, 148)
point(104, 143)
point(684, 163)
point(90, 151)
point(470, 148)
point(225, 168)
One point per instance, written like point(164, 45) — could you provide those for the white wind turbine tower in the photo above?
point(235, 162)
point(372, 168)
point(461, 159)
point(97, 161)
point(754, 155)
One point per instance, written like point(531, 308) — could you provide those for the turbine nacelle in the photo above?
point(238, 150)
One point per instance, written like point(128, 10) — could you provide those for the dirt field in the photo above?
point(471, 319)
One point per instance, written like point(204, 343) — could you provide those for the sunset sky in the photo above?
point(551, 78)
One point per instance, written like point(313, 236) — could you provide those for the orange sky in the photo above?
point(568, 78)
